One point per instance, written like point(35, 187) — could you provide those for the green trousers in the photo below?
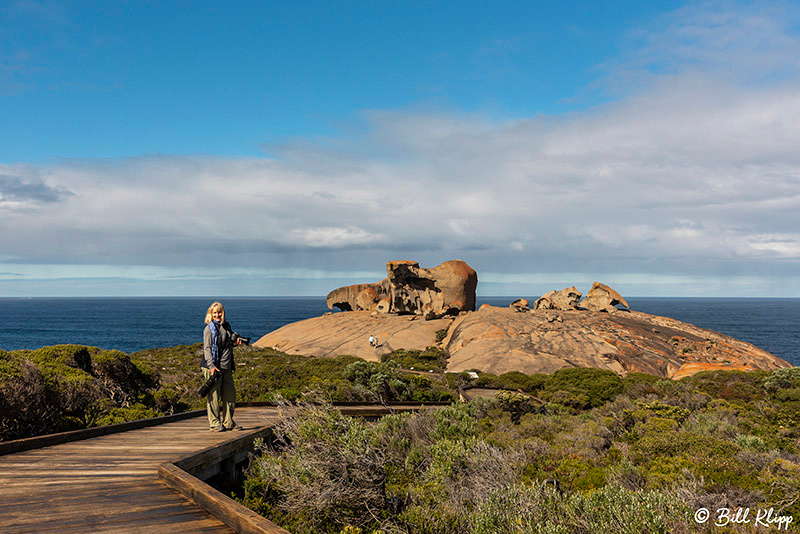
point(221, 400)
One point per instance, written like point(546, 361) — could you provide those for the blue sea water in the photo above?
point(132, 324)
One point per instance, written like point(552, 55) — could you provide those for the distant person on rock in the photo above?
point(373, 341)
point(218, 343)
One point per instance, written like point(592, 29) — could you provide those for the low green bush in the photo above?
point(782, 379)
point(440, 335)
point(732, 386)
point(430, 359)
point(65, 387)
point(582, 388)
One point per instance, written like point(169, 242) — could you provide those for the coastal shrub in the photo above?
point(667, 411)
point(781, 379)
point(9, 367)
point(516, 403)
point(718, 420)
point(453, 380)
point(782, 477)
point(751, 442)
point(440, 335)
point(326, 475)
point(652, 416)
point(582, 388)
point(66, 387)
point(583, 439)
point(616, 509)
point(29, 403)
point(488, 380)
point(571, 399)
point(122, 379)
point(454, 422)
point(381, 380)
point(512, 380)
point(446, 469)
point(639, 384)
point(545, 426)
point(539, 510)
point(61, 362)
point(66, 374)
point(527, 383)
point(430, 359)
point(167, 401)
point(133, 412)
point(732, 386)
point(788, 395)
point(682, 442)
point(579, 474)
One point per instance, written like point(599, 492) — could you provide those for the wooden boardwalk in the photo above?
point(110, 483)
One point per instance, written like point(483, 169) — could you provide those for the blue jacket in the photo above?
point(224, 344)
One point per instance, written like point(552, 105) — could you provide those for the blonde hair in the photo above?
point(215, 306)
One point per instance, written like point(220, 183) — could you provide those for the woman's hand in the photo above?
point(238, 341)
point(214, 370)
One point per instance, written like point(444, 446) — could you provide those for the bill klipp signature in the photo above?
point(763, 517)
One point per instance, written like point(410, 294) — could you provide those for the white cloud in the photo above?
point(332, 237)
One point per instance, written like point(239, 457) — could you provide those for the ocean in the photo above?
point(133, 324)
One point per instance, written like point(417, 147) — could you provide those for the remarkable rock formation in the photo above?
point(498, 340)
point(557, 333)
point(410, 289)
point(566, 299)
point(603, 298)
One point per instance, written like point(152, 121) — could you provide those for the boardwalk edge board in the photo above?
point(235, 515)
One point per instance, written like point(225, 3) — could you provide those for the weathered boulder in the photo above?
point(603, 298)
point(358, 297)
point(566, 299)
point(410, 289)
point(520, 305)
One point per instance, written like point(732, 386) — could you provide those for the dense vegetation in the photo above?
point(602, 454)
point(70, 386)
point(67, 387)
point(578, 451)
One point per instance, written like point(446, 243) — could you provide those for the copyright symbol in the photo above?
point(701, 515)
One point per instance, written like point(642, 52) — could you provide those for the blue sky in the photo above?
point(93, 80)
point(280, 148)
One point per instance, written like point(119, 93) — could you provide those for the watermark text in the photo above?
point(763, 517)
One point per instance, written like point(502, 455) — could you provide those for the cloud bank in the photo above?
point(689, 183)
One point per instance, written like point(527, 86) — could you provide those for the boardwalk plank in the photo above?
point(110, 483)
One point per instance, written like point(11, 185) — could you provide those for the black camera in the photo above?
point(244, 340)
point(205, 388)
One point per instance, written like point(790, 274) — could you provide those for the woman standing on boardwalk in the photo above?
point(218, 342)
